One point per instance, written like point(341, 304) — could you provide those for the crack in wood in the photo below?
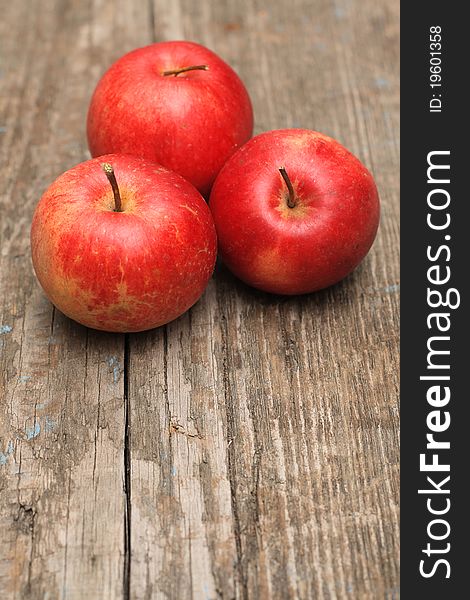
point(152, 21)
point(25, 518)
point(127, 476)
point(67, 522)
point(176, 427)
point(231, 470)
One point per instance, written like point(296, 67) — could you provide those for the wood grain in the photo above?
point(62, 508)
point(250, 448)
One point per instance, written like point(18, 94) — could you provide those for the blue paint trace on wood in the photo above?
point(116, 368)
point(382, 82)
point(5, 329)
point(49, 424)
point(8, 451)
point(391, 289)
point(32, 432)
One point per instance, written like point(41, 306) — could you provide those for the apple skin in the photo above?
point(296, 250)
point(123, 271)
point(190, 123)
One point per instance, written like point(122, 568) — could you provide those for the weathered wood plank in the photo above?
point(264, 440)
point(262, 434)
point(62, 415)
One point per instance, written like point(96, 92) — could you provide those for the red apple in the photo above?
point(122, 244)
point(175, 103)
point(294, 211)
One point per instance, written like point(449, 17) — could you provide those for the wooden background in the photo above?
point(249, 449)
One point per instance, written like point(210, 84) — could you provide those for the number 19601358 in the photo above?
point(435, 67)
point(435, 48)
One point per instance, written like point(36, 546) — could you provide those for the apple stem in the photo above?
point(291, 196)
point(176, 72)
point(109, 172)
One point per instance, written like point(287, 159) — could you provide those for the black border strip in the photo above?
point(423, 247)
